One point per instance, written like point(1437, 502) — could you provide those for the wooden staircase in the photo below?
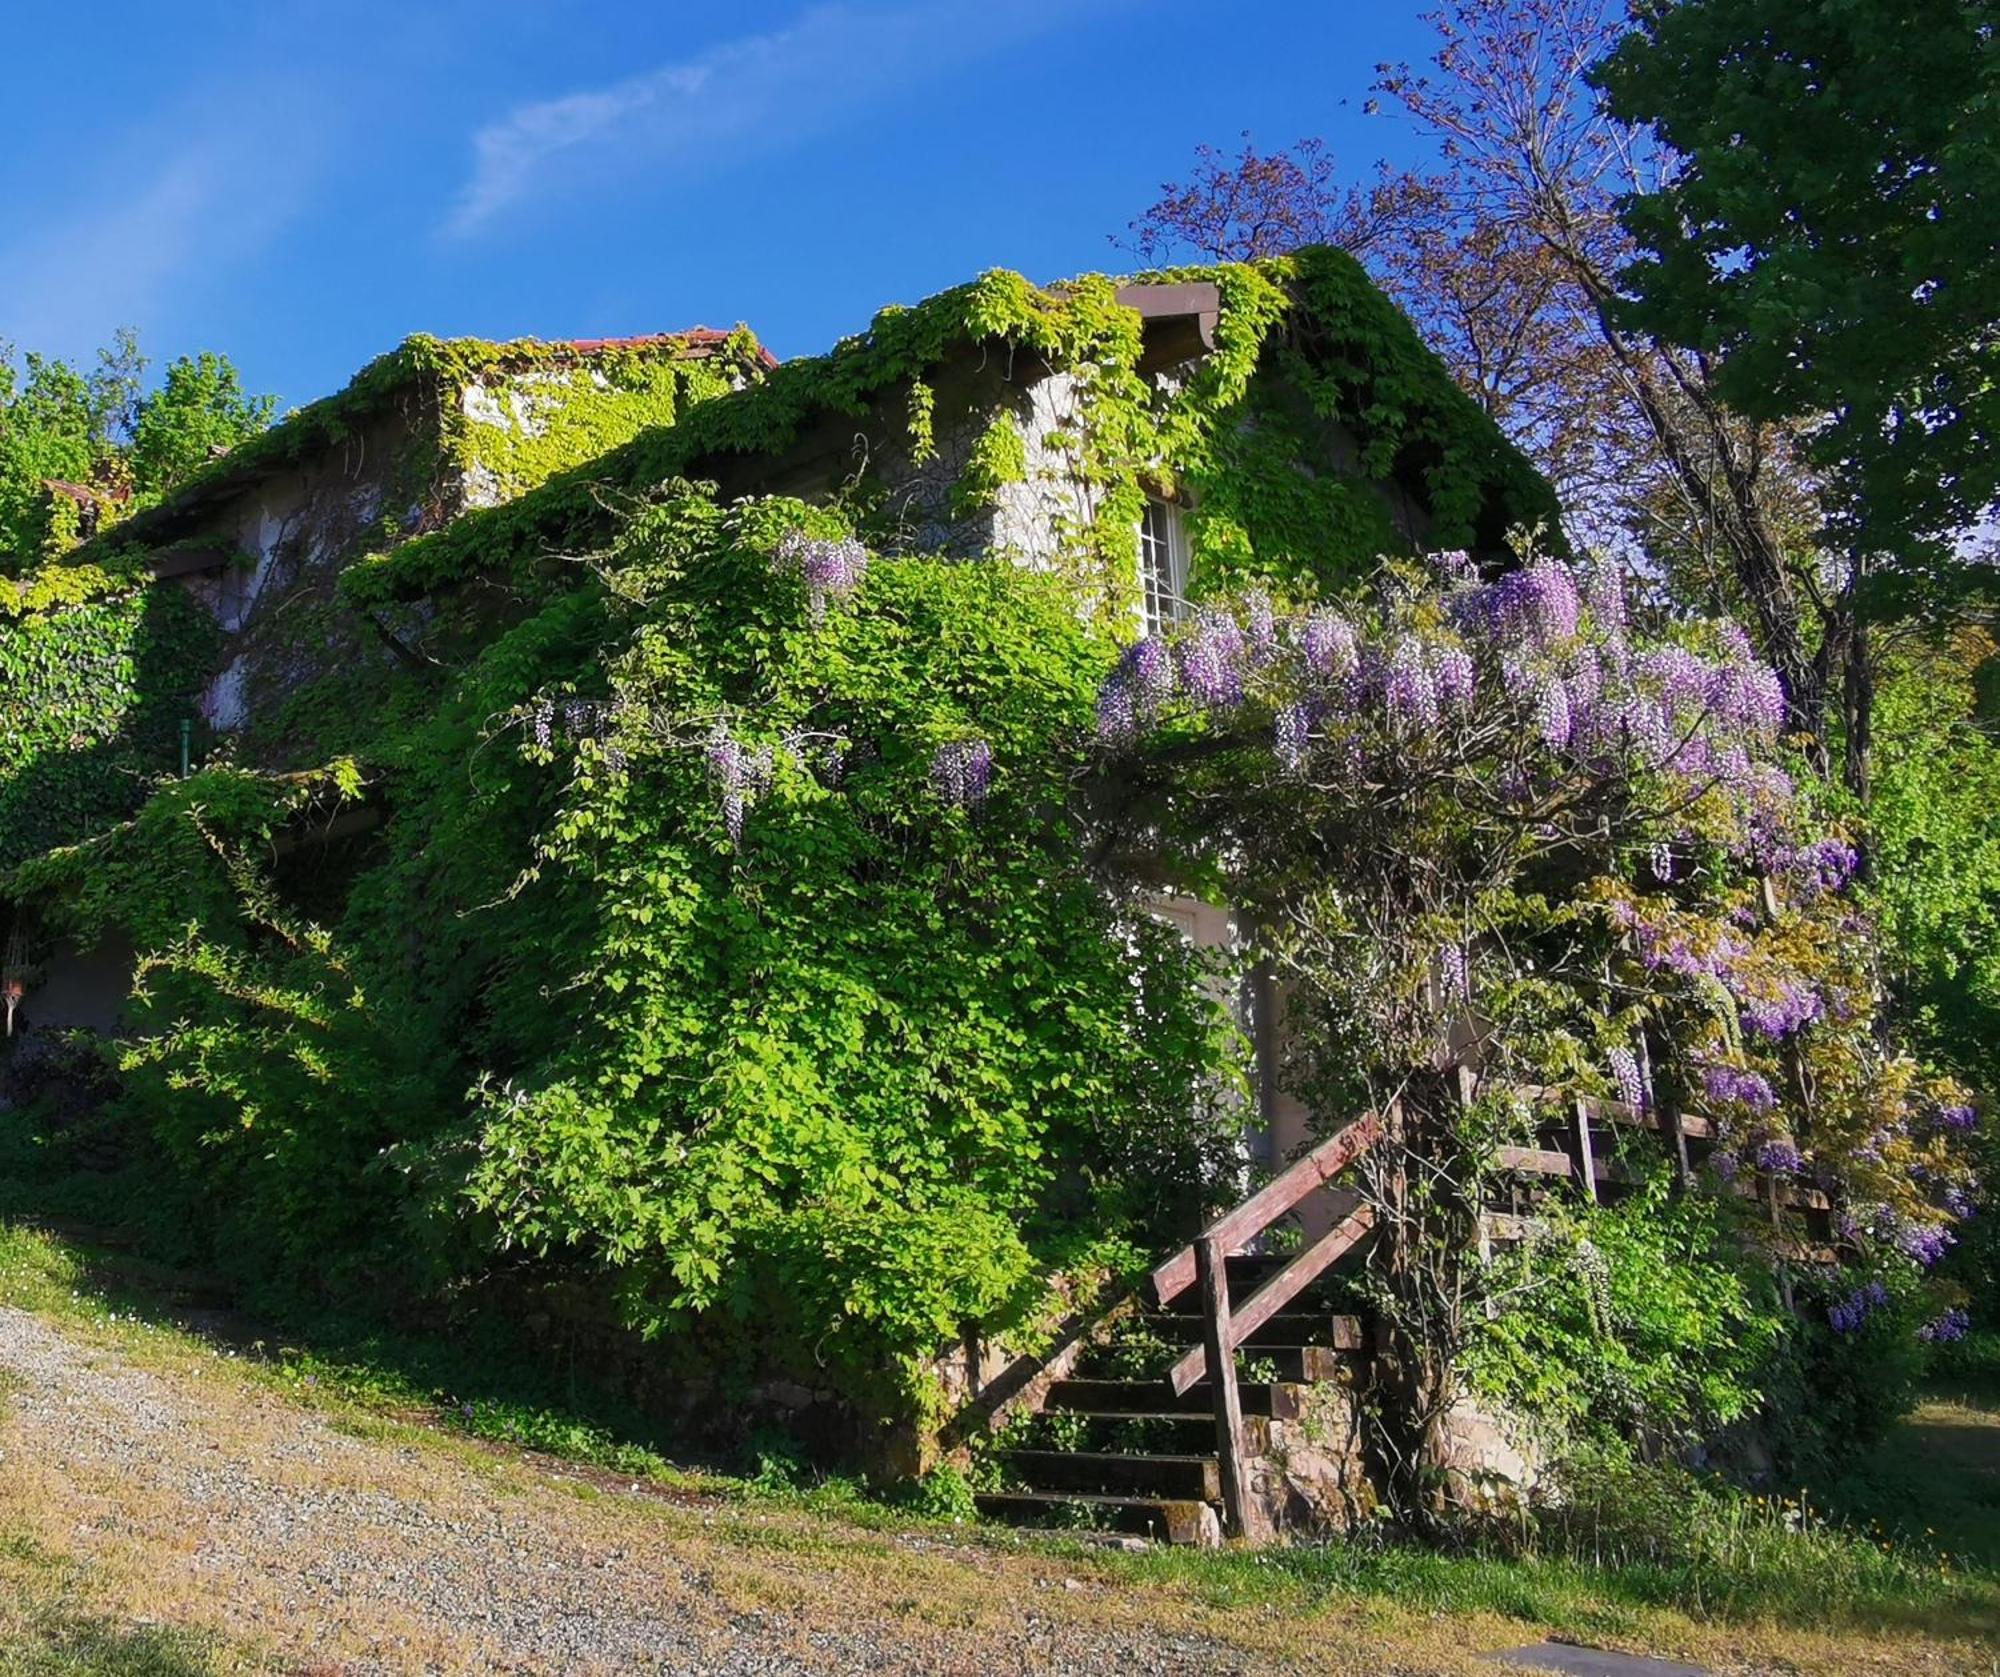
point(1125, 1427)
point(1122, 1425)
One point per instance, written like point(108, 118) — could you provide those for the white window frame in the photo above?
point(1163, 565)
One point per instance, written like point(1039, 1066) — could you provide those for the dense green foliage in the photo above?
point(98, 673)
point(99, 434)
point(846, 1060)
point(1830, 232)
point(1935, 820)
point(55, 422)
point(872, 1069)
point(200, 412)
point(1636, 1321)
point(1341, 356)
point(1937, 849)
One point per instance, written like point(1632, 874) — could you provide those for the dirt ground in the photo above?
point(171, 1491)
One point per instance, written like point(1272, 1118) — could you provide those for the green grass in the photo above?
point(1757, 1563)
point(47, 1630)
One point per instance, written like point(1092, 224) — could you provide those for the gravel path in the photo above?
point(197, 1496)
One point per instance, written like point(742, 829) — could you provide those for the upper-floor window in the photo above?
point(1163, 566)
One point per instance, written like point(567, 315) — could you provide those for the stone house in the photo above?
point(365, 529)
point(1149, 439)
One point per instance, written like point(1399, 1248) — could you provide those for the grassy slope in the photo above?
point(1777, 1593)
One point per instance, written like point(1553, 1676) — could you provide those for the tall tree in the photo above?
point(199, 412)
point(104, 443)
point(1830, 236)
point(1509, 258)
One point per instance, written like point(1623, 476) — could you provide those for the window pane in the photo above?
point(1162, 566)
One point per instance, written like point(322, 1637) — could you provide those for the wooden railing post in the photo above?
point(1212, 1274)
point(1586, 1158)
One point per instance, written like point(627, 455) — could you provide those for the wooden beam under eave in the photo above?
point(189, 561)
point(1179, 321)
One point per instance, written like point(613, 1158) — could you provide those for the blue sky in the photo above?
point(300, 183)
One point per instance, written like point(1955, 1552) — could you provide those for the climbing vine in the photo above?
point(1344, 361)
point(98, 674)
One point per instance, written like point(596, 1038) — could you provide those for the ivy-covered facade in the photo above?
point(420, 946)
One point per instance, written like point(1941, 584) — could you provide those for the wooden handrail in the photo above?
point(1280, 1290)
point(1272, 1201)
point(1224, 1327)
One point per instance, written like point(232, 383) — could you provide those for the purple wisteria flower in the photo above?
point(1604, 595)
point(1662, 862)
point(1585, 686)
point(1150, 664)
point(1643, 724)
point(1681, 679)
point(1850, 1313)
point(1452, 971)
point(1733, 1083)
point(1538, 601)
point(1748, 694)
point(1779, 1158)
point(1328, 644)
point(1453, 675)
point(1924, 1243)
point(1942, 1330)
point(1211, 660)
point(1408, 693)
point(1134, 692)
point(1825, 866)
point(1955, 1117)
point(1725, 1164)
point(830, 569)
point(1454, 566)
point(1292, 737)
point(1625, 1073)
point(1117, 712)
point(962, 772)
point(733, 770)
point(1554, 721)
point(1260, 629)
point(1795, 1004)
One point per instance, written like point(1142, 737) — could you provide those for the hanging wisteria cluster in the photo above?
point(1941, 1330)
point(1850, 1314)
point(962, 772)
point(1344, 693)
point(738, 774)
point(1511, 703)
point(830, 568)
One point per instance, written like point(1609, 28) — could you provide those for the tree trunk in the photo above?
point(1423, 1247)
point(1858, 713)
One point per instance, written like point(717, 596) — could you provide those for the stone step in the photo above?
point(1172, 1435)
point(1290, 1364)
point(1165, 1520)
point(1288, 1327)
point(1282, 1402)
point(1193, 1477)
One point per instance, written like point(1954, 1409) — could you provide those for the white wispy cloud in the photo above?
point(749, 94)
point(124, 253)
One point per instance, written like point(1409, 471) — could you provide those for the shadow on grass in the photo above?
point(485, 1379)
point(46, 1634)
point(488, 1383)
point(1935, 1480)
